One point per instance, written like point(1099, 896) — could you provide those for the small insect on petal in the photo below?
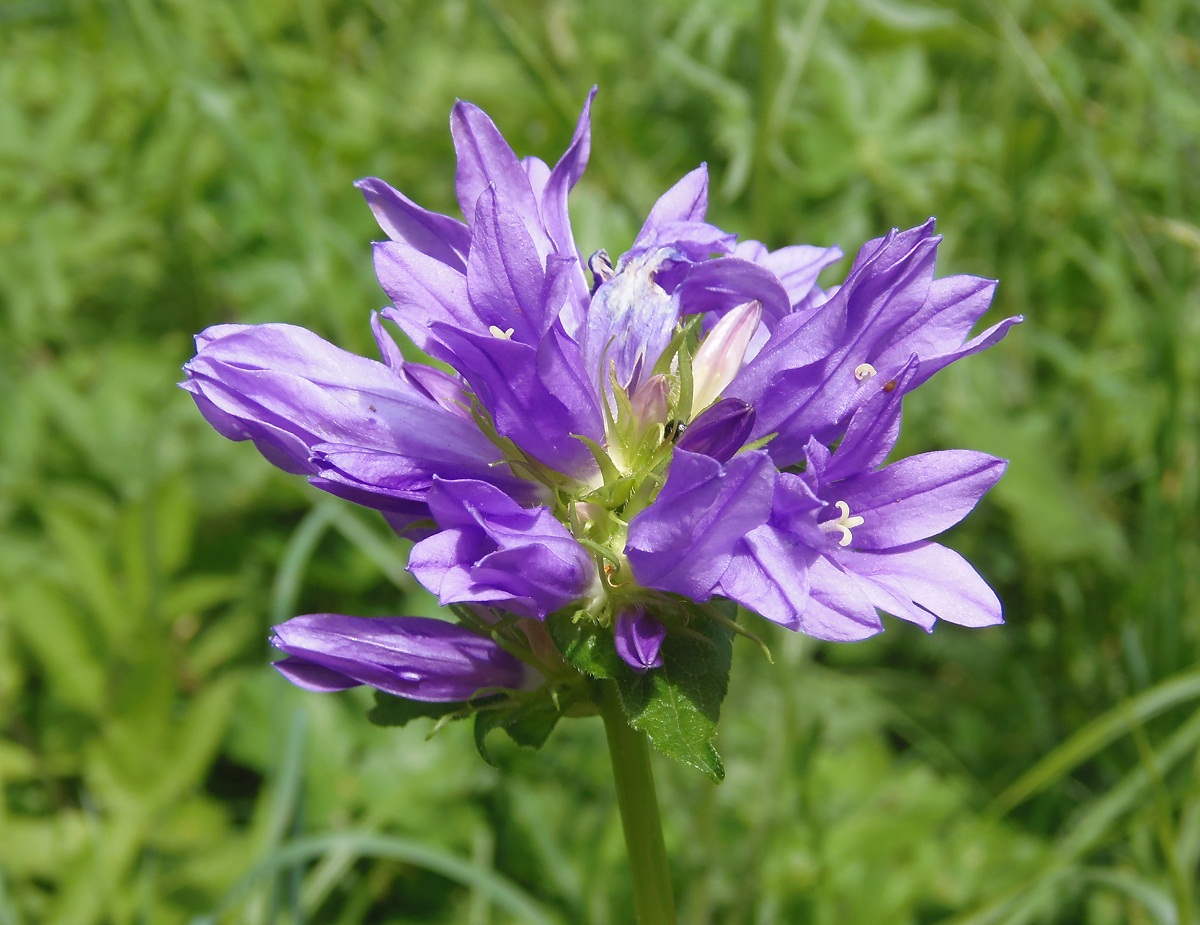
point(864, 371)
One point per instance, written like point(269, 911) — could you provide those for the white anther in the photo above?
point(864, 371)
point(503, 335)
point(845, 523)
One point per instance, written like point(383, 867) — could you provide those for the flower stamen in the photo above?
point(503, 335)
point(845, 523)
point(864, 371)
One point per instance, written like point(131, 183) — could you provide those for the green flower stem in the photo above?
point(638, 803)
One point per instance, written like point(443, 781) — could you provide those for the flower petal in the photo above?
point(493, 550)
point(934, 578)
point(838, 610)
point(683, 541)
point(639, 637)
point(917, 497)
point(413, 657)
point(292, 392)
point(537, 396)
point(439, 236)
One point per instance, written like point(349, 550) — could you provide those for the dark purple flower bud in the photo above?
point(719, 431)
point(414, 657)
point(639, 637)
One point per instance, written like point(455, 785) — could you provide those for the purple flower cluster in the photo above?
point(619, 439)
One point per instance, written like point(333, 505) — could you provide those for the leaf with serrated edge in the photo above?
point(585, 646)
point(678, 704)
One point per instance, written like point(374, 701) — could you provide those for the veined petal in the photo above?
point(768, 573)
point(874, 428)
point(683, 541)
point(292, 392)
point(438, 236)
point(493, 550)
point(413, 657)
point(537, 396)
point(504, 273)
point(938, 332)
point(630, 321)
point(838, 610)
point(917, 497)
point(484, 158)
point(423, 291)
point(796, 267)
point(934, 578)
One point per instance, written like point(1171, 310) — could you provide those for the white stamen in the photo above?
point(845, 523)
point(864, 371)
point(503, 335)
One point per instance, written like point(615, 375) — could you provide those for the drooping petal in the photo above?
point(413, 657)
point(682, 542)
point(492, 550)
point(936, 579)
point(639, 637)
point(838, 609)
point(291, 392)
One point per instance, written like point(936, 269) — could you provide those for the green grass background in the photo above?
point(169, 164)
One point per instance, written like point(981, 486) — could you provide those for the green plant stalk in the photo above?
point(638, 803)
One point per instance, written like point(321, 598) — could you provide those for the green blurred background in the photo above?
point(169, 164)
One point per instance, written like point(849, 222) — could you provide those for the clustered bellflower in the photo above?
point(622, 444)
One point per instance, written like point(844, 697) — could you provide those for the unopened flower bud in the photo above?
point(723, 353)
point(720, 431)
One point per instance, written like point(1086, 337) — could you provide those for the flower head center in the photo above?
point(844, 523)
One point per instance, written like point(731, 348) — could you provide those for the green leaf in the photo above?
point(398, 711)
point(528, 723)
point(585, 645)
point(678, 704)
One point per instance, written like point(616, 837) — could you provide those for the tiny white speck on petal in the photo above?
point(864, 371)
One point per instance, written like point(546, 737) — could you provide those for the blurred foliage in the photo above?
point(166, 164)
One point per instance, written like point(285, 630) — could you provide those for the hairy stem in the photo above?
point(638, 804)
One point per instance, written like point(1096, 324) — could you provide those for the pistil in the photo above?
point(845, 523)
